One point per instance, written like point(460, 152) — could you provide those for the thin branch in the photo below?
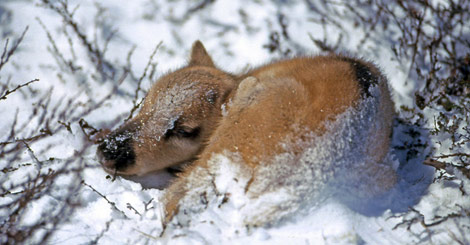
point(8, 53)
point(6, 93)
point(113, 205)
point(139, 82)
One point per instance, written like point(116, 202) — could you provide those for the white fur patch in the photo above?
point(286, 185)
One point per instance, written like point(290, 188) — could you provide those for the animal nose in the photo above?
point(115, 151)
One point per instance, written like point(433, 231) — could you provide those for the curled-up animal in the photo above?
point(267, 143)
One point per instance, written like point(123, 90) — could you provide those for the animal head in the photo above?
point(178, 116)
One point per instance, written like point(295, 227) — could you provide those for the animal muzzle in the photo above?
point(115, 152)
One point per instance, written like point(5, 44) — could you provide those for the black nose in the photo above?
point(115, 152)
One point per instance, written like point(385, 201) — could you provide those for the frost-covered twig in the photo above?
point(43, 133)
point(112, 204)
point(130, 207)
point(42, 119)
point(101, 234)
point(139, 82)
point(96, 55)
point(9, 52)
point(419, 218)
point(7, 92)
point(443, 166)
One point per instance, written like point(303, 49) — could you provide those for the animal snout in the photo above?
point(115, 152)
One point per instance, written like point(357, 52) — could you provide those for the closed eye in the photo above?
point(187, 133)
point(182, 132)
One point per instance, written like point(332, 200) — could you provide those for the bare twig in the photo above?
point(8, 53)
point(113, 205)
point(6, 93)
point(139, 82)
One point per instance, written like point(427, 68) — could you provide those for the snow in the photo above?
point(167, 108)
point(122, 211)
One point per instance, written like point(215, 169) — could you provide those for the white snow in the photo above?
point(131, 214)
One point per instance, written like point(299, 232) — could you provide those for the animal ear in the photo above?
point(247, 91)
point(199, 56)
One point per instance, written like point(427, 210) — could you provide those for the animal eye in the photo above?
point(187, 133)
point(180, 132)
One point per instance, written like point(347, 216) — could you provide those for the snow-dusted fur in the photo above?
point(331, 163)
point(269, 141)
point(177, 118)
point(293, 131)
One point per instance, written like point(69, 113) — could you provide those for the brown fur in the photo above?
point(209, 87)
point(305, 92)
point(283, 100)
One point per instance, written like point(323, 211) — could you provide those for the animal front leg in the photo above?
point(172, 197)
point(188, 194)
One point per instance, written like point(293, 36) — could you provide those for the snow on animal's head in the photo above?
point(178, 116)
